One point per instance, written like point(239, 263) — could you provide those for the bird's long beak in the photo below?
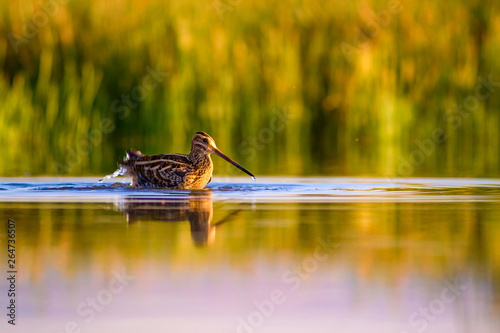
point(224, 156)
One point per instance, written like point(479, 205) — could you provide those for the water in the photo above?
point(277, 255)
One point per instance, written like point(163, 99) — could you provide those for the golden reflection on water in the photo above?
point(434, 238)
point(394, 246)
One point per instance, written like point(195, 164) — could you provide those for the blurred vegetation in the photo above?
point(233, 66)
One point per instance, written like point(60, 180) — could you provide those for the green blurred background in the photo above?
point(289, 87)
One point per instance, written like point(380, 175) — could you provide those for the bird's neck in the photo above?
point(199, 158)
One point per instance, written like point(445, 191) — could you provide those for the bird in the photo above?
point(174, 171)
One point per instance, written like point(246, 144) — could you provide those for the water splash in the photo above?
point(119, 172)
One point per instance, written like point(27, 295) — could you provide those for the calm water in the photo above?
point(277, 255)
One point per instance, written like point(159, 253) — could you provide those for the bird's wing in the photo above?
point(166, 169)
point(162, 162)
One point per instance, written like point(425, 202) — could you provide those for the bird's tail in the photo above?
point(132, 155)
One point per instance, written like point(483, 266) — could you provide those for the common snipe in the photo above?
point(174, 171)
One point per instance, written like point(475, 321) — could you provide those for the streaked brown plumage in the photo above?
point(174, 171)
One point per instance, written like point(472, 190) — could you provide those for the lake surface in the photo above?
point(276, 255)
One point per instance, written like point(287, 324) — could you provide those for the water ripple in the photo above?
point(285, 189)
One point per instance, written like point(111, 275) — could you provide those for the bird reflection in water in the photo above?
point(195, 207)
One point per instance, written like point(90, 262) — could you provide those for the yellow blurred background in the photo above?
point(292, 87)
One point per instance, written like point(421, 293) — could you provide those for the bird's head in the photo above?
point(203, 144)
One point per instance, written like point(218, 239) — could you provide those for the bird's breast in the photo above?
point(201, 175)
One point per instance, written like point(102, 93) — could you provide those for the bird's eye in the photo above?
point(205, 140)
